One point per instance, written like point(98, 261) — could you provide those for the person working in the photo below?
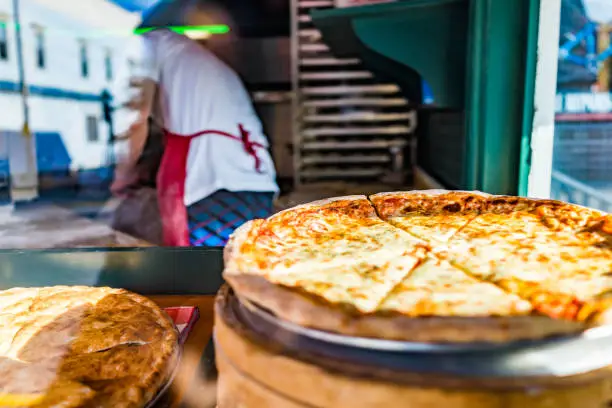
point(216, 171)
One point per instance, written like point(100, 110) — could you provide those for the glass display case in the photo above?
point(504, 97)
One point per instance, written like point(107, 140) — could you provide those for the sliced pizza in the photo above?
point(560, 280)
point(436, 288)
point(490, 238)
point(336, 250)
point(551, 268)
point(428, 266)
point(432, 217)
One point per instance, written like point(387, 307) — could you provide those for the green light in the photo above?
point(186, 30)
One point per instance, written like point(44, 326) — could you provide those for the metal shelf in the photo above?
point(315, 3)
point(349, 90)
point(313, 47)
point(311, 33)
point(338, 103)
point(359, 117)
point(356, 102)
point(335, 76)
point(354, 145)
point(356, 131)
point(304, 18)
point(347, 159)
point(343, 173)
point(325, 62)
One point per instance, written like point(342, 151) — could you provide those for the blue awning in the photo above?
point(51, 152)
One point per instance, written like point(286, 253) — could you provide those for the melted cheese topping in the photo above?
point(436, 288)
point(432, 228)
point(362, 283)
point(583, 272)
point(342, 253)
point(476, 257)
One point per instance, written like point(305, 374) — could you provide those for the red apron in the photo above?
point(173, 173)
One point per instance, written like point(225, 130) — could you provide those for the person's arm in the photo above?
point(139, 130)
point(126, 171)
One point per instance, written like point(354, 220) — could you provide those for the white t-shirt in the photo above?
point(197, 92)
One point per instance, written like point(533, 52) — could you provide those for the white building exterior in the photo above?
point(59, 37)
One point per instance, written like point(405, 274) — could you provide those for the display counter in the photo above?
point(169, 277)
point(36, 226)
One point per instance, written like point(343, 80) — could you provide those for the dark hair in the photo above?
point(167, 13)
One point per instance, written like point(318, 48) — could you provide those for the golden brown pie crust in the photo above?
point(307, 310)
point(82, 346)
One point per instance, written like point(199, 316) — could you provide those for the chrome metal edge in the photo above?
point(561, 357)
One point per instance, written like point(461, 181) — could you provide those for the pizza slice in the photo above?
point(431, 216)
point(336, 250)
point(491, 237)
point(560, 280)
point(561, 216)
point(487, 240)
point(436, 302)
point(360, 285)
point(436, 288)
point(553, 269)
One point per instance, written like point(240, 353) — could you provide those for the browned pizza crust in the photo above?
point(78, 345)
point(307, 310)
point(395, 204)
point(320, 203)
point(399, 203)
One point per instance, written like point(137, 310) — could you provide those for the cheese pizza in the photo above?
point(430, 266)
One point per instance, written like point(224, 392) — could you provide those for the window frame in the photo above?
point(4, 45)
point(536, 169)
point(39, 46)
point(84, 59)
point(109, 72)
point(92, 123)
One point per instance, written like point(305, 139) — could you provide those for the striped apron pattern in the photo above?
point(213, 219)
point(171, 183)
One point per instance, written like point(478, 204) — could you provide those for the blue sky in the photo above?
point(135, 5)
point(599, 10)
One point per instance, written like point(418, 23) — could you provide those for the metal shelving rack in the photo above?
point(347, 124)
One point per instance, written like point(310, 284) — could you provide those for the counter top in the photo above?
point(196, 379)
point(43, 226)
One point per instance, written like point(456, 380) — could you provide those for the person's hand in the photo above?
point(123, 182)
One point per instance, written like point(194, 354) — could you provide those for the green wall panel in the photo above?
point(478, 56)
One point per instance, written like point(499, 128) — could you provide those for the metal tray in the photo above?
point(158, 400)
point(558, 357)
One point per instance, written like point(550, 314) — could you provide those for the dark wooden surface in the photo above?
point(195, 383)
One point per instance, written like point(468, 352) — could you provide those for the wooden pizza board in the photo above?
point(254, 373)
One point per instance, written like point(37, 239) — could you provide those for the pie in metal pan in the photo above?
point(73, 346)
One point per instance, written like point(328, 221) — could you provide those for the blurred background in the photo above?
point(335, 125)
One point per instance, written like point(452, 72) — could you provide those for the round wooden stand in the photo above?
point(255, 373)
